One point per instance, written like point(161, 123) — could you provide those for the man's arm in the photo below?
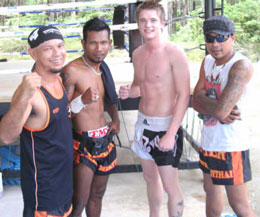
point(67, 80)
point(181, 76)
point(239, 75)
point(200, 88)
point(181, 80)
point(12, 123)
point(114, 126)
point(133, 90)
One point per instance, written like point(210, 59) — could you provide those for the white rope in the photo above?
point(18, 9)
point(122, 27)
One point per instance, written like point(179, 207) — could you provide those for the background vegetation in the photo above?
point(187, 32)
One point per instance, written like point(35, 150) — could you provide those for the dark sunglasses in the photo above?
point(219, 38)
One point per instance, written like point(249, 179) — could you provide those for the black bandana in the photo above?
point(42, 34)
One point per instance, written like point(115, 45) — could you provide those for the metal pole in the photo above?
point(131, 19)
point(210, 6)
point(135, 39)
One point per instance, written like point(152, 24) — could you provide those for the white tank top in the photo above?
point(224, 137)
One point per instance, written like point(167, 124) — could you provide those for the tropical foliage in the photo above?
point(188, 32)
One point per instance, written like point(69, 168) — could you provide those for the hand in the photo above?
point(114, 127)
point(166, 143)
point(124, 91)
point(90, 95)
point(233, 116)
point(30, 84)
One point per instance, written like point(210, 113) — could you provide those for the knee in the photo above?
point(78, 208)
point(169, 188)
point(151, 178)
point(242, 209)
point(98, 193)
point(210, 190)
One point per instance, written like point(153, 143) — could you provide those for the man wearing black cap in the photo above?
point(221, 97)
point(39, 113)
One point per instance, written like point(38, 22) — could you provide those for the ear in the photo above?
point(233, 37)
point(32, 53)
point(83, 43)
point(163, 24)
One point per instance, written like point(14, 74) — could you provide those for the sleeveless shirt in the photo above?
point(47, 157)
point(224, 137)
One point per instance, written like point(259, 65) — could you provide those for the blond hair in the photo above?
point(151, 5)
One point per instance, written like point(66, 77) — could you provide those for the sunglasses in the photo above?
point(219, 38)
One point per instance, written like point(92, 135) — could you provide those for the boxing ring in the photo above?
point(191, 125)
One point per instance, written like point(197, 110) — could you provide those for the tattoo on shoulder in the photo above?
point(236, 83)
point(65, 79)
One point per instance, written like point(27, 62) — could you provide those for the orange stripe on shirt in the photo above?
point(35, 172)
point(45, 214)
point(237, 168)
point(48, 116)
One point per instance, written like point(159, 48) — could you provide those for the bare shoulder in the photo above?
point(176, 54)
point(138, 51)
point(70, 71)
point(72, 66)
point(243, 68)
point(173, 48)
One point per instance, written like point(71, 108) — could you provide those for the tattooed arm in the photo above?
point(222, 109)
point(67, 80)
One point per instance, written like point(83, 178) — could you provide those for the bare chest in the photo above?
point(87, 80)
point(153, 68)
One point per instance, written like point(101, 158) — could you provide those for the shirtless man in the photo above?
point(161, 78)
point(39, 111)
point(221, 96)
point(90, 87)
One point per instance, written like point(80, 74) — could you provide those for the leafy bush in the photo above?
point(246, 17)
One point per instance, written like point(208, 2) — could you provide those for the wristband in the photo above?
point(76, 105)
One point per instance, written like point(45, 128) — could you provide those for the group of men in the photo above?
point(59, 181)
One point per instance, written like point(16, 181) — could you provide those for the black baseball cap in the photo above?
point(218, 24)
point(42, 34)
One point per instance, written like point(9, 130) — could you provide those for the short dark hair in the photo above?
point(95, 24)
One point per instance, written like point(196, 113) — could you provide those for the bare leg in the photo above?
point(238, 200)
point(170, 180)
point(98, 188)
point(214, 197)
point(154, 186)
point(83, 176)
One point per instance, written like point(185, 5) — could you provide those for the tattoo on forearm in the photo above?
point(234, 87)
point(180, 206)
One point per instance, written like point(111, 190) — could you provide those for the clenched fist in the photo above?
point(124, 91)
point(30, 84)
point(90, 95)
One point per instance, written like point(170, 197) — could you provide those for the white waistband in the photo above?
point(154, 121)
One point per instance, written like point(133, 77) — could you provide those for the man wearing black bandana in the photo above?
point(39, 113)
point(91, 89)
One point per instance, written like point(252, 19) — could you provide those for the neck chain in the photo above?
point(91, 68)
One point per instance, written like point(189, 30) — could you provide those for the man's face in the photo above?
point(50, 55)
point(220, 50)
point(96, 45)
point(150, 24)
